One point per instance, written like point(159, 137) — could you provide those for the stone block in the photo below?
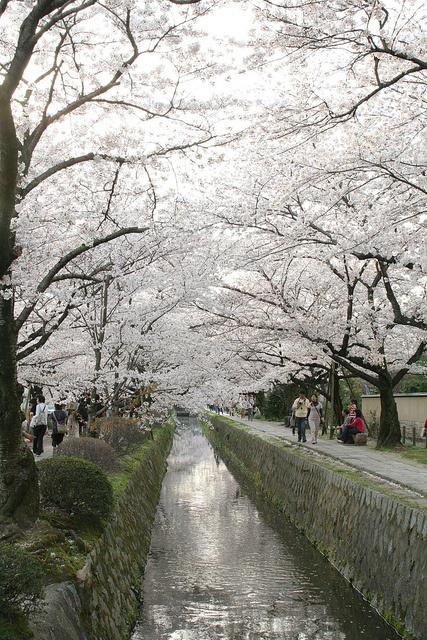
point(360, 439)
point(385, 559)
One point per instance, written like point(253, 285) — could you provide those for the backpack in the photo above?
point(41, 419)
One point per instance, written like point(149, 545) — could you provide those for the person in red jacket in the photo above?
point(350, 429)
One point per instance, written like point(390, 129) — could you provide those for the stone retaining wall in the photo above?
point(108, 595)
point(375, 541)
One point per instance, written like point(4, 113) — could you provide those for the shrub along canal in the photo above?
point(224, 565)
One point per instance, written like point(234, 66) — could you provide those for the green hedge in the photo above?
point(92, 449)
point(75, 486)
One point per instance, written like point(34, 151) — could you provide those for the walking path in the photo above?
point(388, 466)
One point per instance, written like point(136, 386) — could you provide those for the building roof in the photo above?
point(397, 395)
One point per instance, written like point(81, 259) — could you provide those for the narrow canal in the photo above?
point(223, 567)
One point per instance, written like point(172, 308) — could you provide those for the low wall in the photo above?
point(375, 541)
point(105, 603)
point(411, 408)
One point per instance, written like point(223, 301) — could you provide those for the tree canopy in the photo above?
point(204, 198)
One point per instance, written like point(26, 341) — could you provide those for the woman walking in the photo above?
point(315, 417)
point(39, 425)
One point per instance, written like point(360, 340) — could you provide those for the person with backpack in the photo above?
point(39, 425)
point(59, 426)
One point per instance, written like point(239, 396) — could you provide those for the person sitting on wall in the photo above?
point(27, 436)
point(352, 428)
point(346, 419)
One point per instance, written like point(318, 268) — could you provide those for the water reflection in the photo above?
point(221, 568)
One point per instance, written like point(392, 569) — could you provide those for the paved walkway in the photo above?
point(388, 466)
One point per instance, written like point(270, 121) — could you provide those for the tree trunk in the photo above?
point(333, 415)
point(19, 499)
point(389, 432)
point(337, 408)
point(19, 495)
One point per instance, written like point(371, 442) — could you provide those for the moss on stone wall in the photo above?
point(102, 603)
point(130, 462)
point(111, 579)
point(385, 539)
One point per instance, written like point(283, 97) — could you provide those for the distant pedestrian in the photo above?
point(292, 422)
point(59, 426)
point(73, 425)
point(26, 435)
point(346, 420)
point(300, 408)
point(315, 417)
point(39, 425)
point(82, 415)
point(250, 409)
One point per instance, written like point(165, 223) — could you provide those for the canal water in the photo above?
point(222, 566)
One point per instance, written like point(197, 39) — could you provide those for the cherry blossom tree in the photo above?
point(309, 278)
point(136, 252)
point(328, 205)
point(66, 69)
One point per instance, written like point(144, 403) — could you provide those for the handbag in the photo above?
point(60, 427)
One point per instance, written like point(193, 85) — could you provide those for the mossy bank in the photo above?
point(377, 542)
point(102, 603)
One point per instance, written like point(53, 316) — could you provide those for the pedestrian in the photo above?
point(73, 424)
point(346, 420)
point(99, 407)
point(59, 426)
point(27, 436)
point(315, 417)
point(292, 422)
point(352, 428)
point(82, 415)
point(39, 425)
point(250, 409)
point(300, 407)
point(425, 430)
